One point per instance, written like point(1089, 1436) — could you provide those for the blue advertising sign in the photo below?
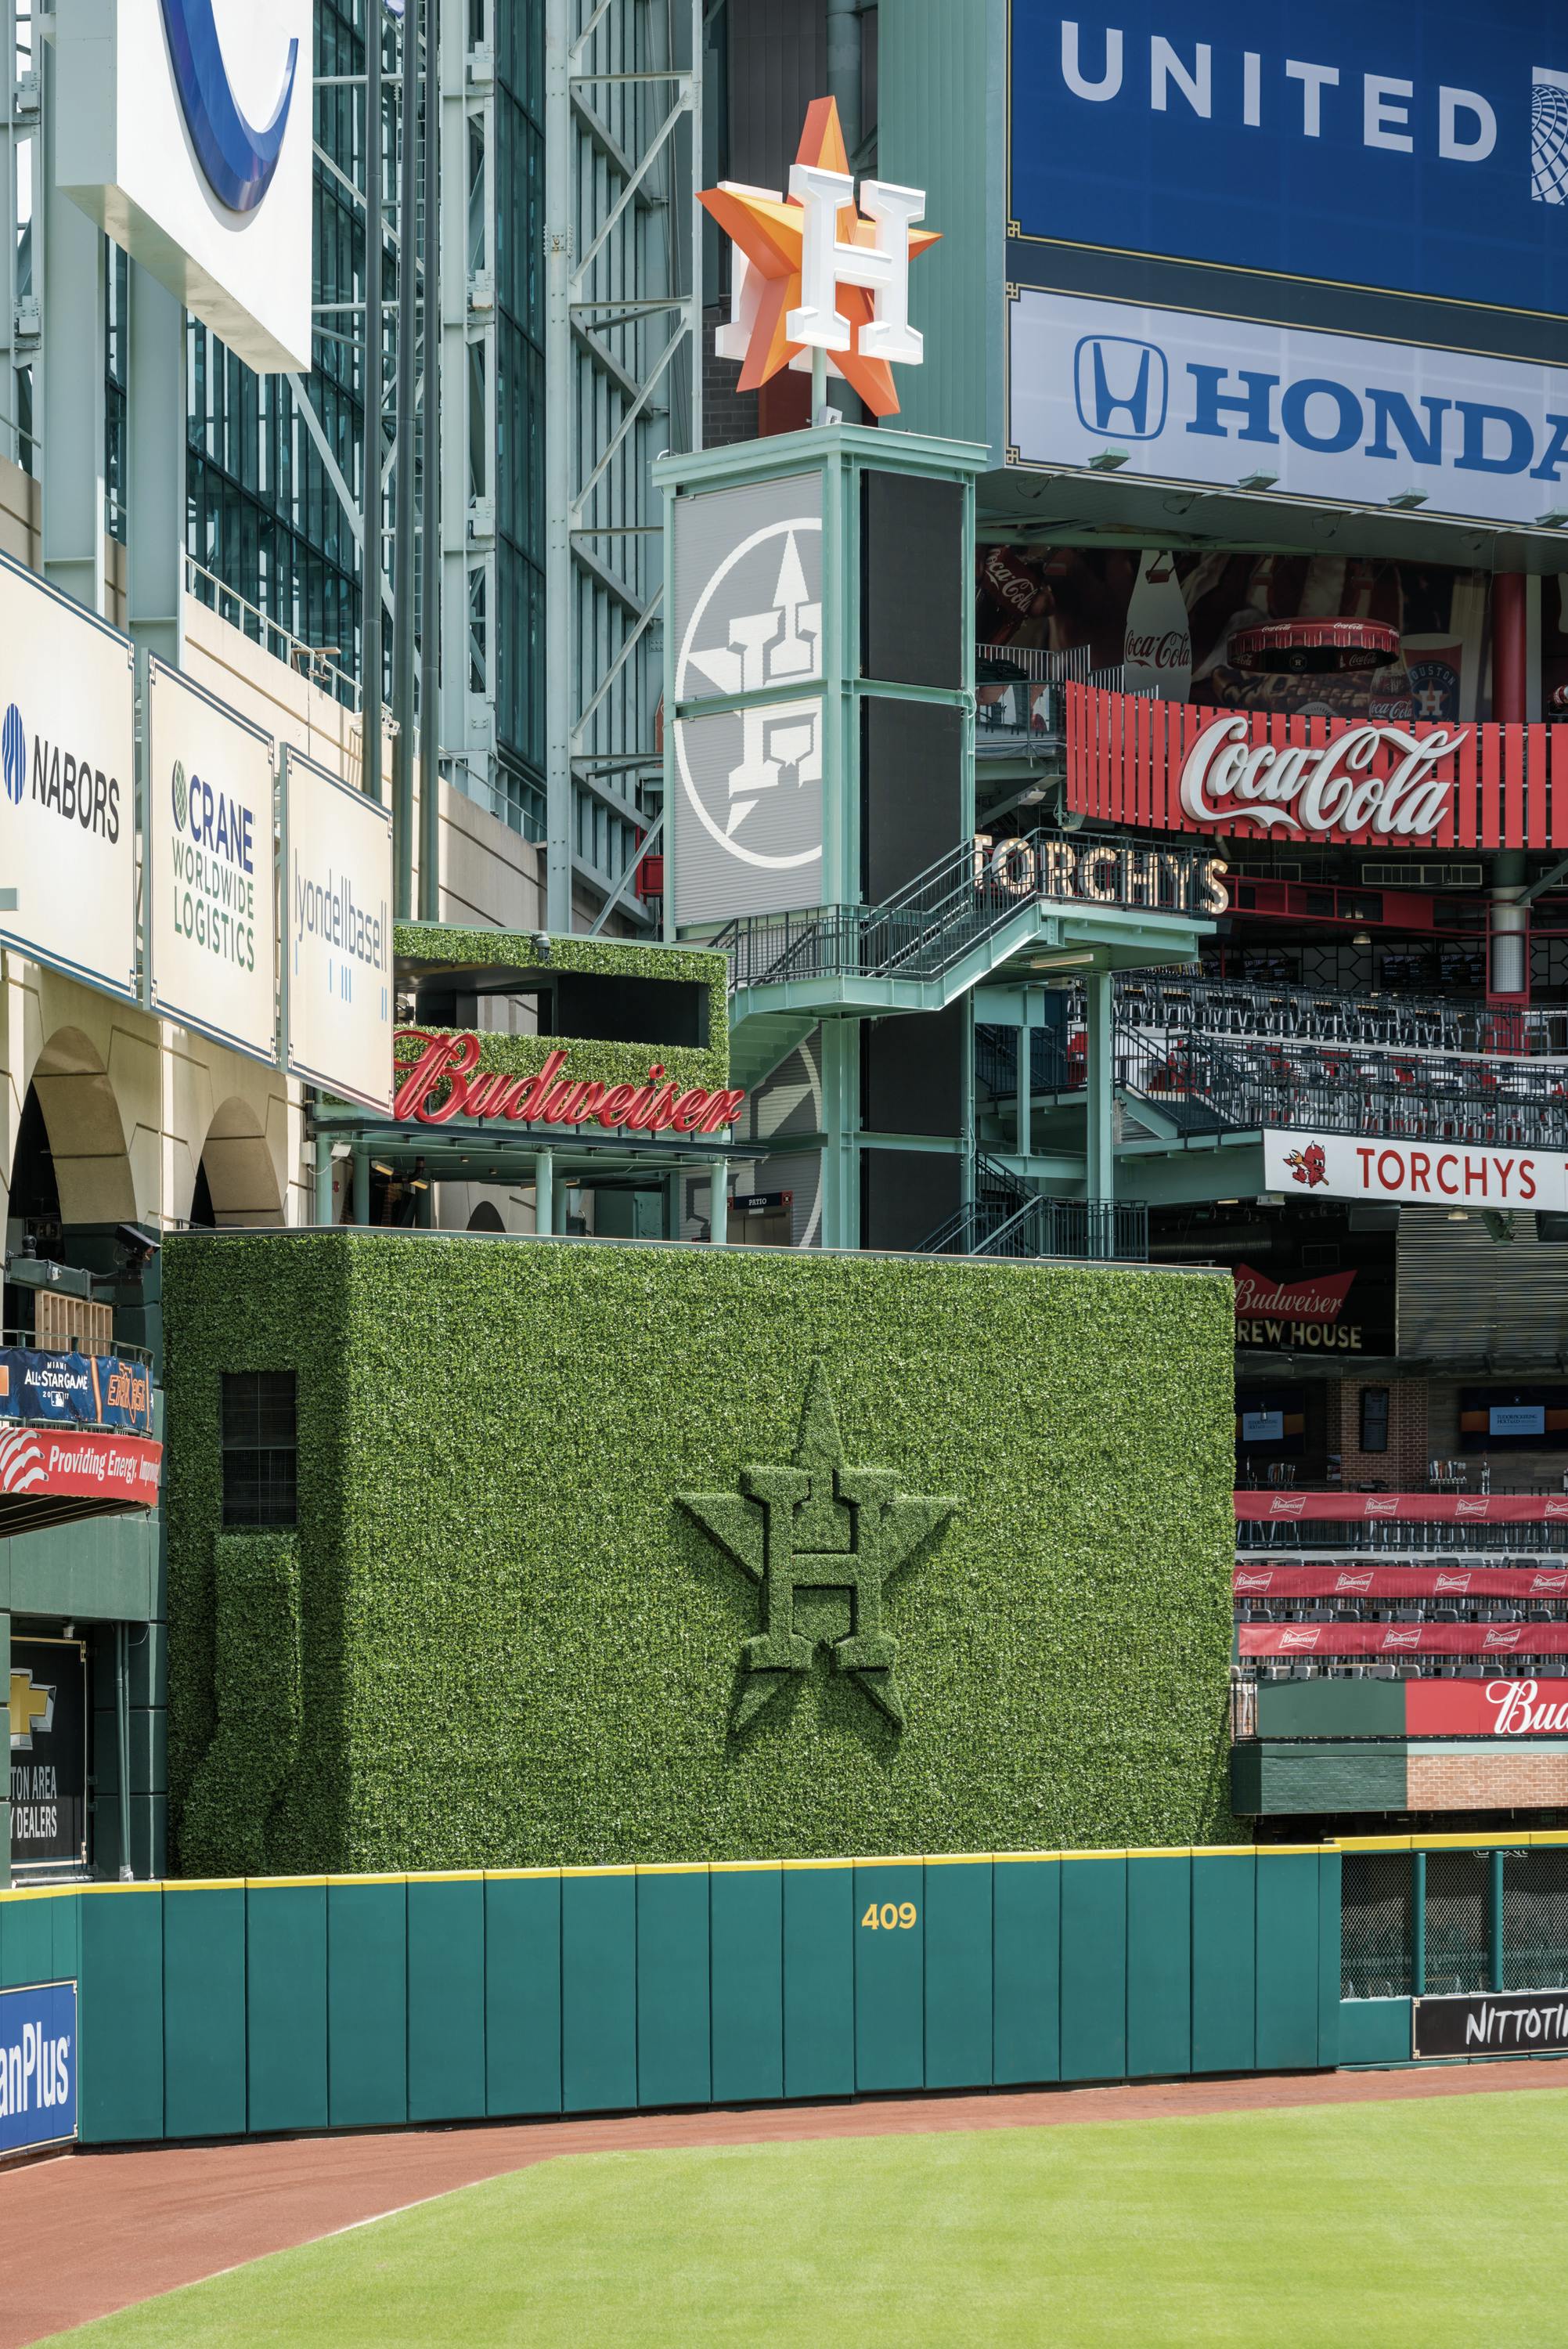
point(37, 2066)
point(1366, 143)
point(89, 1391)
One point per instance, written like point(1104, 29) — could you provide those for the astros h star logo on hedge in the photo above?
point(818, 1525)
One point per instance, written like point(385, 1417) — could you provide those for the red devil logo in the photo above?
point(1311, 1164)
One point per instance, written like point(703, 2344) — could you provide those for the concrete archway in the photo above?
point(236, 1170)
point(86, 1131)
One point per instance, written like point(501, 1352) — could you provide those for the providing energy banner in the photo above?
point(211, 867)
point(337, 936)
point(41, 1465)
point(37, 2066)
point(68, 786)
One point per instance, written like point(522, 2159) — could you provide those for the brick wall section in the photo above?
point(1403, 1467)
point(1513, 1778)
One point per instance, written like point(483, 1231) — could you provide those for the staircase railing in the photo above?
point(966, 897)
point(1022, 1223)
point(998, 1196)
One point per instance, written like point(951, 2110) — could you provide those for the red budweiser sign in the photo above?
point(1410, 1508)
point(1305, 1300)
point(440, 1082)
point(1173, 767)
point(1517, 1708)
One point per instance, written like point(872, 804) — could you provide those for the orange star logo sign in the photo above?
point(813, 270)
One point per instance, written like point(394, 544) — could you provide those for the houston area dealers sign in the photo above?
point(1427, 1173)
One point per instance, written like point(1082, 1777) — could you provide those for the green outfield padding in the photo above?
point(516, 1625)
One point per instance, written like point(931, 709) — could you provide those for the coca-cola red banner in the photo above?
point(1168, 766)
point(1255, 1580)
point(1402, 1639)
point(1407, 1508)
point(1514, 1708)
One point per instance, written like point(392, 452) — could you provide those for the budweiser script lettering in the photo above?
point(1518, 1714)
point(1231, 778)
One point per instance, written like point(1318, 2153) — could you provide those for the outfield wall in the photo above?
point(226, 2010)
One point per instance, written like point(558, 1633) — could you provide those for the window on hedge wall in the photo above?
point(260, 1448)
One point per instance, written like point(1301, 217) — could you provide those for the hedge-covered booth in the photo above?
point(498, 1553)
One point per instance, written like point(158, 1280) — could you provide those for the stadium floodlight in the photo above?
point(1108, 462)
point(1259, 481)
point(1408, 500)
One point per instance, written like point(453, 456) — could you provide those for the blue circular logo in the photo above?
point(181, 800)
point(14, 755)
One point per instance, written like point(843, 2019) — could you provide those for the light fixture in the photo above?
point(1553, 519)
point(379, 1166)
point(1108, 462)
point(1408, 500)
point(1063, 962)
point(342, 1150)
point(1362, 939)
point(1257, 480)
point(1458, 1215)
point(1227, 1203)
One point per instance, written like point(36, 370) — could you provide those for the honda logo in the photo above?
point(1123, 386)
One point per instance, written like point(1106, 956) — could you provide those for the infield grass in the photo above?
point(1430, 2225)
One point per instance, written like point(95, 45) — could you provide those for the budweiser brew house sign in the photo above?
point(1314, 780)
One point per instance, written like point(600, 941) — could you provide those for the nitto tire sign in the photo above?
point(1501, 2022)
point(68, 765)
point(211, 868)
point(1186, 398)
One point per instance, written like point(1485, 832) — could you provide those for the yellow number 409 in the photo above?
point(889, 1919)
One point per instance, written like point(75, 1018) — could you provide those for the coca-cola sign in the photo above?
point(1167, 764)
point(1375, 779)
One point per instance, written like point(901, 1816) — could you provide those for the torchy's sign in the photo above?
point(440, 1082)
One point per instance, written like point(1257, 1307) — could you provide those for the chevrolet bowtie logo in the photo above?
point(31, 1708)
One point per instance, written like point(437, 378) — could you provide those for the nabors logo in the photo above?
point(14, 755)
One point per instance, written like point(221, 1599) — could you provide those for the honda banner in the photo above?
point(1430, 1174)
point(1314, 780)
point(1404, 1508)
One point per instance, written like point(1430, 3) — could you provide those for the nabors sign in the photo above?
point(440, 1082)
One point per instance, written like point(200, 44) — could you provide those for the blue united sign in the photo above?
point(1416, 150)
point(37, 2066)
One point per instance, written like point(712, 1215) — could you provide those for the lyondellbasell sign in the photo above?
point(337, 936)
point(1312, 781)
point(184, 129)
point(1485, 2022)
point(1427, 1173)
point(442, 1082)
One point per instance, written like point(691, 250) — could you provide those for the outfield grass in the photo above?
point(1430, 2225)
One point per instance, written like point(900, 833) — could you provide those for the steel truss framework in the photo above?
point(624, 259)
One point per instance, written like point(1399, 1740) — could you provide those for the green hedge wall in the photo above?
point(256, 1690)
point(592, 1061)
point(520, 1648)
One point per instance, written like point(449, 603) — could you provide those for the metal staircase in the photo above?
point(1005, 1218)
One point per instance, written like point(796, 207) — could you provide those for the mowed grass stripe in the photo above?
point(1434, 2222)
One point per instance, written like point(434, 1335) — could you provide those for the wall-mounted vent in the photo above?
point(1421, 876)
point(1253, 870)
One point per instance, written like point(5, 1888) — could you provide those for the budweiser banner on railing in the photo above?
point(1394, 1640)
point(1254, 1580)
point(1403, 1509)
point(1312, 781)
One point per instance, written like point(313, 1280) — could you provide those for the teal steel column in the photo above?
point(544, 1190)
point(323, 1181)
point(562, 1204)
point(561, 586)
point(122, 1742)
point(841, 1124)
point(1099, 1168)
point(1418, 1924)
point(719, 1202)
point(1025, 1091)
point(1494, 1921)
point(361, 1188)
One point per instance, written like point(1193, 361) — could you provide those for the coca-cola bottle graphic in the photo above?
point(1158, 654)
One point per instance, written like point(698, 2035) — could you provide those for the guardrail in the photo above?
point(1406, 1023)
